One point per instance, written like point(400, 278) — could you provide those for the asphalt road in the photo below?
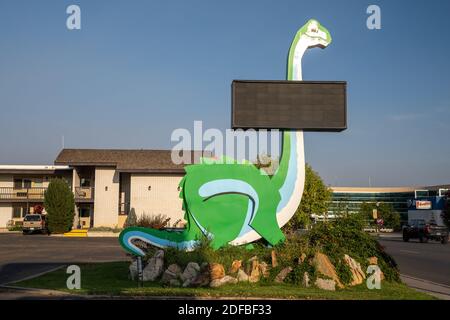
point(24, 256)
point(428, 261)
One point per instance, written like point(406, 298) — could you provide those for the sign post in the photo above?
point(140, 273)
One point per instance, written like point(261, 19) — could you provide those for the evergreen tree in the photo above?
point(60, 206)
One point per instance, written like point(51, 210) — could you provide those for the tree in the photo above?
point(60, 206)
point(315, 200)
point(131, 220)
point(385, 211)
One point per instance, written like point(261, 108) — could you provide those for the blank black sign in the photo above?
point(298, 105)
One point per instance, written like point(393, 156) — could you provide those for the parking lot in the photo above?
point(23, 256)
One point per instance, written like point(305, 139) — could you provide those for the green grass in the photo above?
point(111, 279)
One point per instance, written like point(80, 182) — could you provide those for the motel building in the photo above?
point(109, 184)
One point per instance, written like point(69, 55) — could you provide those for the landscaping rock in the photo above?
point(302, 258)
point(220, 282)
point(190, 273)
point(255, 275)
point(133, 270)
point(306, 282)
point(323, 284)
point(283, 274)
point(242, 276)
point(202, 280)
point(274, 259)
point(324, 266)
point(235, 266)
point(217, 271)
point(173, 272)
point(154, 267)
point(358, 275)
point(264, 269)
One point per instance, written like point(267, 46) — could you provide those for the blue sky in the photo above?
point(137, 70)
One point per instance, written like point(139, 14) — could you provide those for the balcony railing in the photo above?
point(84, 193)
point(25, 194)
point(8, 193)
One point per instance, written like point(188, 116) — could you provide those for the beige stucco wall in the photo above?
point(162, 198)
point(5, 214)
point(106, 201)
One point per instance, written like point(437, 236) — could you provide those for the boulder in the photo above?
point(154, 267)
point(133, 270)
point(216, 270)
point(274, 259)
point(283, 274)
point(358, 275)
point(242, 276)
point(255, 275)
point(306, 282)
point(202, 280)
point(190, 273)
point(235, 266)
point(324, 266)
point(220, 282)
point(302, 258)
point(323, 284)
point(264, 269)
point(171, 273)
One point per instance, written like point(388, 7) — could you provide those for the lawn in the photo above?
point(111, 279)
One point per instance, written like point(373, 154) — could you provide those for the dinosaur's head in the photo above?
point(316, 34)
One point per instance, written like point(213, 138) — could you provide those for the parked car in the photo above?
point(419, 229)
point(34, 222)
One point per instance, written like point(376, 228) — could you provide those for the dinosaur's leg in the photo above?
point(267, 227)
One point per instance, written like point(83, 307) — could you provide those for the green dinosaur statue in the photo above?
point(236, 203)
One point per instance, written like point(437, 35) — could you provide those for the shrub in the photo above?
point(158, 221)
point(131, 220)
point(345, 236)
point(60, 204)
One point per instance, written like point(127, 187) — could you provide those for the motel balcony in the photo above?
point(11, 194)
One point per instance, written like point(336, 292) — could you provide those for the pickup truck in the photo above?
point(419, 229)
point(34, 222)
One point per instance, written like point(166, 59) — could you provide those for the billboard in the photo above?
point(296, 105)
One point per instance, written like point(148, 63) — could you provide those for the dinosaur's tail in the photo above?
point(158, 238)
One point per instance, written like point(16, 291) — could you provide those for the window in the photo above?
point(17, 183)
point(86, 183)
point(85, 212)
point(27, 183)
point(17, 212)
point(22, 183)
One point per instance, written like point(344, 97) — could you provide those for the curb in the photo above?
point(438, 290)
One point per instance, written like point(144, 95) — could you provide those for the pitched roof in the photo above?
point(153, 161)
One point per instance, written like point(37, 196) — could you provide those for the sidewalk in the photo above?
point(437, 290)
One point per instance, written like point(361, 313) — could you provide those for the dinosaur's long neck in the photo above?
point(290, 176)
